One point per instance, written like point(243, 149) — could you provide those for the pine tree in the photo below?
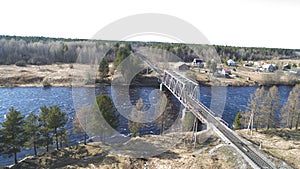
point(13, 135)
point(122, 53)
point(46, 139)
point(56, 120)
point(104, 119)
point(31, 127)
point(103, 69)
point(237, 124)
point(108, 110)
point(290, 112)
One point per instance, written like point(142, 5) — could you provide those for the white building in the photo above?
point(230, 62)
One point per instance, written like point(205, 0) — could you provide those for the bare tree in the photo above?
point(290, 112)
point(81, 121)
point(137, 115)
point(254, 109)
point(271, 105)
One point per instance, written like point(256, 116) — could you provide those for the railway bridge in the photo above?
point(187, 91)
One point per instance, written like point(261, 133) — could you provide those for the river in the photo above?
point(226, 101)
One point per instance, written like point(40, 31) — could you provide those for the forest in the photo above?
point(42, 50)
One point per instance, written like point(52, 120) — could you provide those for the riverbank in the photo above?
point(69, 75)
point(60, 75)
point(243, 76)
point(213, 153)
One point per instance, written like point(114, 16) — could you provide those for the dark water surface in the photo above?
point(226, 101)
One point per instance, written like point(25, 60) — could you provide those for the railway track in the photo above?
point(202, 110)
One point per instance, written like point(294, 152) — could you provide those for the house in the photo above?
point(181, 66)
point(197, 61)
point(226, 71)
point(248, 64)
point(286, 67)
point(268, 67)
point(230, 62)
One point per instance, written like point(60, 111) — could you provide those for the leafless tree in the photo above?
point(290, 112)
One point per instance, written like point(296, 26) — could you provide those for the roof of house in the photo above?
point(227, 70)
point(178, 64)
point(198, 59)
point(230, 60)
point(267, 65)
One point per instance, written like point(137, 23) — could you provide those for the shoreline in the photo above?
point(63, 75)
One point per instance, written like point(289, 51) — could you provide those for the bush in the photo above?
point(21, 63)
point(37, 61)
point(46, 82)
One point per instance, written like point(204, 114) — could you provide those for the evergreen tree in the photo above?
point(56, 120)
point(108, 110)
point(63, 137)
point(103, 69)
point(31, 127)
point(237, 124)
point(13, 136)
point(103, 117)
point(290, 112)
point(122, 53)
point(46, 139)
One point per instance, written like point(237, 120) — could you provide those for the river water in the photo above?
point(225, 101)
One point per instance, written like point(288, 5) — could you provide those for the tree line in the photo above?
point(188, 52)
point(41, 50)
point(264, 111)
point(47, 129)
point(90, 119)
point(34, 131)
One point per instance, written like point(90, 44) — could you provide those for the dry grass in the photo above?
point(281, 143)
point(210, 154)
point(55, 74)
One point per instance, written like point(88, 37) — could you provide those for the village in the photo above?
point(245, 73)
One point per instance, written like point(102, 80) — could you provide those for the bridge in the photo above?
point(187, 92)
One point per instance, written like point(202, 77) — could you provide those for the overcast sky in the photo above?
point(261, 23)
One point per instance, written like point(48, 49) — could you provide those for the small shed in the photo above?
point(230, 62)
point(226, 71)
point(181, 66)
point(197, 61)
point(269, 67)
point(286, 67)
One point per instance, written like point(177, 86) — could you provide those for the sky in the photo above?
point(249, 23)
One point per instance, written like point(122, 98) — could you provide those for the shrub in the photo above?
point(37, 61)
point(46, 82)
point(21, 63)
